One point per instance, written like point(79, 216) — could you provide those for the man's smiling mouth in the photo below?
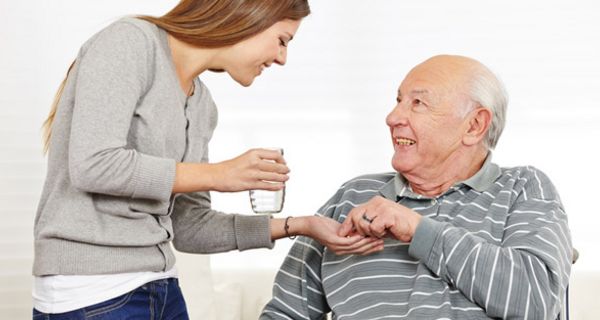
point(404, 141)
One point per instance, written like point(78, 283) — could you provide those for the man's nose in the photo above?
point(398, 116)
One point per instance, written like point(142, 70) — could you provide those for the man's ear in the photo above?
point(480, 120)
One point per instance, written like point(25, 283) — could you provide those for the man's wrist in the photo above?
point(414, 224)
point(424, 239)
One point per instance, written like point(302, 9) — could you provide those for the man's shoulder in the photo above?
point(530, 179)
point(522, 172)
point(354, 192)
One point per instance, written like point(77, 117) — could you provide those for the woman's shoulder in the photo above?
point(127, 31)
point(137, 23)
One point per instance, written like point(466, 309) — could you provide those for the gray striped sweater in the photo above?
point(494, 246)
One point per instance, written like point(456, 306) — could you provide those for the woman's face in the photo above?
point(245, 60)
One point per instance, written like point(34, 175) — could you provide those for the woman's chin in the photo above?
point(246, 82)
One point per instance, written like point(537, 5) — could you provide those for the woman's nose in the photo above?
point(281, 57)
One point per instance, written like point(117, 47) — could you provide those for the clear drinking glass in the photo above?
point(267, 202)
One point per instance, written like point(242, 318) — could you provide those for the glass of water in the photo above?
point(267, 202)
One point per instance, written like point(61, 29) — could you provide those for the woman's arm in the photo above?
point(255, 169)
point(111, 74)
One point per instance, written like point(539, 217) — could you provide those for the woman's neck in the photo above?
point(190, 61)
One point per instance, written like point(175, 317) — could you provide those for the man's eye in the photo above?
point(417, 102)
point(282, 42)
point(398, 99)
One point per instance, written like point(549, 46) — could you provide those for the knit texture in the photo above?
point(122, 124)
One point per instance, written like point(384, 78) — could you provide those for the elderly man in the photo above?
point(464, 238)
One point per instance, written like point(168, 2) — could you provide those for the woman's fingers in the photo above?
point(268, 154)
point(349, 242)
point(271, 177)
point(262, 169)
point(357, 243)
point(268, 166)
point(269, 186)
point(366, 246)
point(269, 181)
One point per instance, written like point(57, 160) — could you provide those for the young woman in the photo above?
point(128, 167)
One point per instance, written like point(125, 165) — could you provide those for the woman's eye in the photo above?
point(398, 99)
point(282, 42)
point(417, 102)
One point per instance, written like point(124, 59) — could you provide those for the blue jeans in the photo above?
point(156, 300)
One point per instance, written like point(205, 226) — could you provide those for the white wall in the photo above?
point(327, 106)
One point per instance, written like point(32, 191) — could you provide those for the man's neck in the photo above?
point(455, 169)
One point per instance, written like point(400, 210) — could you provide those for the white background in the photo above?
point(327, 106)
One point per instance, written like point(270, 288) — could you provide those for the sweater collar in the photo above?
point(486, 176)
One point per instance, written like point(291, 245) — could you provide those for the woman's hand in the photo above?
point(325, 231)
point(380, 217)
point(255, 169)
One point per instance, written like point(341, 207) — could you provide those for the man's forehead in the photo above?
point(430, 82)
point(414, 92)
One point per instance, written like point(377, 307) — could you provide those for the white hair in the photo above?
point(489, 92)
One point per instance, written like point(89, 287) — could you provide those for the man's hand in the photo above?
point(380, 217)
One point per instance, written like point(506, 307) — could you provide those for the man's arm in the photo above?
point(525, 276)
point(297, 291)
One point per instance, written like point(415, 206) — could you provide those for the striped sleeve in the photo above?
point(525, 275)
point(298, 291)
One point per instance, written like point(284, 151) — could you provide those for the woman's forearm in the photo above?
point(194, 177)
point(298, 226)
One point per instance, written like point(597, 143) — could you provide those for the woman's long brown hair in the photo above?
point(47, 126)
point(210, 24)
point(218, 23)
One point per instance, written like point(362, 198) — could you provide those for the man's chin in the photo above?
point(400, 166)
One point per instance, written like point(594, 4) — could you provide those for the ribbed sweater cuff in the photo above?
point(154, 178)
point(424, 239)
point(253, 232)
